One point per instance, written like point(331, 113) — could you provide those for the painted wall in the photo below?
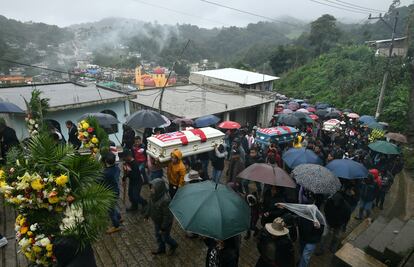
point(120, 108)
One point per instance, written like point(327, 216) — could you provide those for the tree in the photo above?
point(324, 34)
point(288, 57)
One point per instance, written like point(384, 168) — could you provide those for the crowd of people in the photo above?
point(275, 227)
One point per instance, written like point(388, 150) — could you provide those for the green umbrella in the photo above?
point(375, 125)
point(212, 210)
point(384, 148)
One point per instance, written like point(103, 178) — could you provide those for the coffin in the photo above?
point(191, 142)
point(280, 135)
point(331, 125)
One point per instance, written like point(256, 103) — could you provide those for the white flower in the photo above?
point(34, 132)
point(24, 242)
point(32, 121)
point(33, 227)
point(36, 125)
point(45, 241)
point(73, 217)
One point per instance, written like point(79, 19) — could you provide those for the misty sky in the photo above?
point(67, 12)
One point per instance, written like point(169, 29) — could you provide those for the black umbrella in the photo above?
point(7, 107)
point(321, 113)
point(322, 106)
point(333, 115)
point(289, 120)
point(145, 119)
point(105, 120)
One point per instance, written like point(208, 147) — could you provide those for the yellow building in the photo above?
point(157, 79)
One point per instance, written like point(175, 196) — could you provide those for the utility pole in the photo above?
point(387, 67)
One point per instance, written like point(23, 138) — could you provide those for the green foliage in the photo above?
point(286, 58)
point(350, 77)
point(324, 34)
point(100, 134)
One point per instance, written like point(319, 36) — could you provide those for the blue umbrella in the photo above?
point(367, 119)
point(7, 107)
point(322, 106)
point(347, 169)
point(206, 121)
point(296, 156)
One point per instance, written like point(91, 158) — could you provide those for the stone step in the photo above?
point(349, 256)
point(402, 244)
point(377, 246)
point(364, 239)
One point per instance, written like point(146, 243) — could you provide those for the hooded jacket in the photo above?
point(377, 178)
point(158, 204)
point(176, 172)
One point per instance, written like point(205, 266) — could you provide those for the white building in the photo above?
point(234, 78)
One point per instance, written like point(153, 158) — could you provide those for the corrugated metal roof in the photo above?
point(192, 101)
point(60, 94)
point(237, 76)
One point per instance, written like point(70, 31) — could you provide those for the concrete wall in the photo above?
point(201, 79)
point(120, 108)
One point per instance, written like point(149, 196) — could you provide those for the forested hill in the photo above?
point(350, 77)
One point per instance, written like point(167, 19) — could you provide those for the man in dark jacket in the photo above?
point(132, 172)
point(337, 214)
point(73, 135)
point(161, 216)
point(128, 137)
point(8, 139)
point(275, 246)
point(368, 193)
point(310, 234)
point(236, 166)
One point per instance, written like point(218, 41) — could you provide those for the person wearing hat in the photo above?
point(275, 246)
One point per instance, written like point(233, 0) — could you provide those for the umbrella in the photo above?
point(321, 113)
point(313, 117)
point(347, 169)
point(322, 106)
point(145, 119)
point(302, 110)
point(267, 174)
point(300, 115)
point(333, 115)
point(316, 178)
point(311, 109)
point(183, 121)
point(375, 125)
point(347, 110)
point(210, 209)
point(293, 105)
point(287, 111)
point(229, 125)
point(397, 137)
point(105, 120)
point(384, 147)
point(296, 156)
point(206, 121)
point(167, 122)
point(7, 107)
point(367, 119)
point(353, 116)
point(289, 120)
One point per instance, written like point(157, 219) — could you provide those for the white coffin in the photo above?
point(331, 125)
point(160, 146)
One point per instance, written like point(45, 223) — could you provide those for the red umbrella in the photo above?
point(311, 109)
point(229, 125)
point(268, 174)
point(313, 117)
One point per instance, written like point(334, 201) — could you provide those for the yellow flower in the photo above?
point(36, 249)
point(49, 254)
point(2, 174)
point(53, 200)
point(29, 233)
point(49, 247)
point(24, 229)
point(62, 179)
point(29, 256)
point(58, 209)
point(95, 140)
point(85, 125)
point(37, 184)
point(95, 150)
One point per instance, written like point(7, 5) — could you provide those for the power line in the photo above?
point(350, 10)
point(372, 9)
point(180, 12)
point(249, 13)
point(346, 6)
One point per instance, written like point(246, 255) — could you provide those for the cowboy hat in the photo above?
point(277, 227)
point(192, 175)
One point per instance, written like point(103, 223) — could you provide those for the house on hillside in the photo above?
point(68, 101)
point(382, 47)
point(233, 78)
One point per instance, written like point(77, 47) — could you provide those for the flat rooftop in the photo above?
point(61, 95)
point(237, 76)
point(192, 101)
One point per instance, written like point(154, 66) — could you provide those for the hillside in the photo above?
point(350, 77)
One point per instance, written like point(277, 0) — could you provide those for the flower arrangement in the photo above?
point(93, 136)
point(57, 196)
point(36, 109)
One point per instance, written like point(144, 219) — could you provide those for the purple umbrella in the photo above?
point(267, 174)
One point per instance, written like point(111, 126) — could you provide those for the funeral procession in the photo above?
point(196, 133)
